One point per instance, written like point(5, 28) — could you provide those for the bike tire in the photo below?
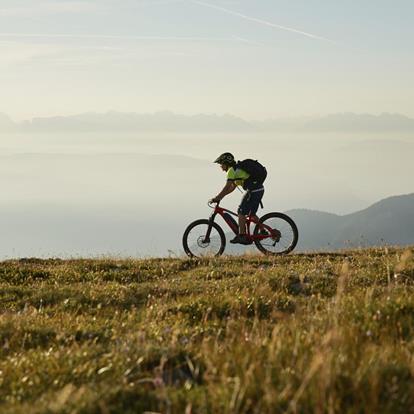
point(284, 218)
point(203, 222)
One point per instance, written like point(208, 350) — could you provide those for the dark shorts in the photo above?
point(250, 202)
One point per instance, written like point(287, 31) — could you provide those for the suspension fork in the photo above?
point(210, 226)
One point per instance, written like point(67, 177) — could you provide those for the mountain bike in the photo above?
point(273, 234)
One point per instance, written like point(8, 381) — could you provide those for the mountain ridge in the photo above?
point(388, 221)
point(168, 121)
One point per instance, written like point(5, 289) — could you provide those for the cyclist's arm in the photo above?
point(228, 188)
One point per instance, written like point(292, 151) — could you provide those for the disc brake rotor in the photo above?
point(201, 242)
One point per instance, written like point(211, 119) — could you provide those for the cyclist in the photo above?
point(251, 199)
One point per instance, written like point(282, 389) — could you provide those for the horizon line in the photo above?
point(220, 115)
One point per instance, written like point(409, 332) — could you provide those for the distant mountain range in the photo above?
point(387, 222)
point(167, 121)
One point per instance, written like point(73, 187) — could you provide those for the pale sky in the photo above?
point(251, 58)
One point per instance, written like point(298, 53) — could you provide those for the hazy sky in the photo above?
point(252, 58)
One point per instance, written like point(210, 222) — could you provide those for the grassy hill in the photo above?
point(301, 334)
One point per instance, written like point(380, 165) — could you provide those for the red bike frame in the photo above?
point(233, 224)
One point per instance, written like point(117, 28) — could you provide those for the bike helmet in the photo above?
point(227, 159)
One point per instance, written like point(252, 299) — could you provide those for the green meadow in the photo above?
point(308, 333)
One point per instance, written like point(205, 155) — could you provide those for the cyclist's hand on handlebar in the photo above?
point(214, 200)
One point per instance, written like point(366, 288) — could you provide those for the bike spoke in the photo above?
point(198, 244)
point(288, 235)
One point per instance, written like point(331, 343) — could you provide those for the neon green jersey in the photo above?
point(237, 176)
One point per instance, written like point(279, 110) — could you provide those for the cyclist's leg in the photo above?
point(253, 203)
point(249, 206)
point(255, 200)
point(243, 211)
point(242, 224)
point(253, 215)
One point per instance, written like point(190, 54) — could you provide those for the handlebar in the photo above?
point(210, 203)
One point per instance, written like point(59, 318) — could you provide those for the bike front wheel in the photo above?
point(196, 243)
point(278, 234)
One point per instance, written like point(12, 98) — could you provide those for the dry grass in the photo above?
point(297, 334)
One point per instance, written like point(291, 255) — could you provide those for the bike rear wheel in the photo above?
point(196, 244)
point(281, 231)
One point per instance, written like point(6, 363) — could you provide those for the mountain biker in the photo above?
point(251, 200)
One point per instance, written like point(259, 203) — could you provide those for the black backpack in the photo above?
point(257, 173)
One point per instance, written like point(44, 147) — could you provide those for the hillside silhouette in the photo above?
point(389, 221)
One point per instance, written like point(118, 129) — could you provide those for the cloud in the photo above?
point(16, 52)
point(109, 37)
point(247, 41)
point(261, 21)
point(80, 54)
point(49, 8)
point(18, 48)
point(156, 2)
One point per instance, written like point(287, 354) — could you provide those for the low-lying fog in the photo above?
point(133, 195)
